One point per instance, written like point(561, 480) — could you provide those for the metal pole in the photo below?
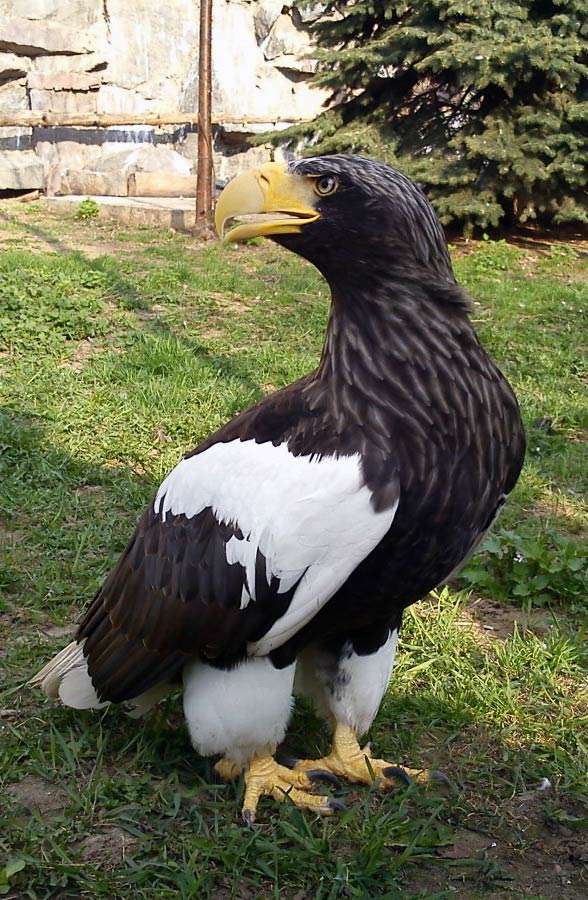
point(204, 169)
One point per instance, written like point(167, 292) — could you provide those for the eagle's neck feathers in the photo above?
point(391, 355)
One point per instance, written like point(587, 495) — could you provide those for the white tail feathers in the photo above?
point(66, 676)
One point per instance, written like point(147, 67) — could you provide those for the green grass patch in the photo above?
point(120, 349)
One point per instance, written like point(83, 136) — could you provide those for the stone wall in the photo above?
point(114, 57)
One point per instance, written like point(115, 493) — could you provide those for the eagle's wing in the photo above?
point(242, 546)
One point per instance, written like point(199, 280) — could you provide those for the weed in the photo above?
point(44, 302)
point(493, 257)
point(537, 569)
point(87, 209)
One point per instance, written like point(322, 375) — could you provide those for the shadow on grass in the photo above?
point(119, 288)
point(63, 520)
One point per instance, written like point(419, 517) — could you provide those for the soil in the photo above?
point(531, 856)
point(495, 621)
point(106, 849)
point(36, 795)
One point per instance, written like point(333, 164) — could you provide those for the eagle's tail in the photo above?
point(66, 677)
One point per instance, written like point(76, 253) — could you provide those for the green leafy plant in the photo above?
point(491, 257)
point(43, 301)
point(88, 209)
point(11, 868)
point(535, 569)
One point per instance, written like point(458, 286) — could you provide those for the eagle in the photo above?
point(276, 559)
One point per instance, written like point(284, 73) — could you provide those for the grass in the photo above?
point(120, 349)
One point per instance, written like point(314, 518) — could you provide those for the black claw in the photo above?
point(323, 775)
point(337, 805)
point(397, 772)
point(436, 775)
point(288, 761)
point(248, 817)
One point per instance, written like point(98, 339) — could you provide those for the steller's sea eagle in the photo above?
point(278, 556)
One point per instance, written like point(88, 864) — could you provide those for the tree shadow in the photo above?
point(52, 506)
point(120, 288)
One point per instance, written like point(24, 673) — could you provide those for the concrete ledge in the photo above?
point(164, 212)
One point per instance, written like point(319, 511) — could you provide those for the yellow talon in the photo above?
point(350, 761)
point(266, 778)
point(227, 769)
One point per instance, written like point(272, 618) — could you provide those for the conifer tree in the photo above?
point(484, 104)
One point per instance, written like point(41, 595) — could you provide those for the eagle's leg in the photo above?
point(267, 778)
point(228, 770)
point(242, 713)
point(347, 687)
point(348, 760)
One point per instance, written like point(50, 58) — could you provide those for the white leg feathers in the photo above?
point(348, 689)
point(244, 711)
point(237, 712)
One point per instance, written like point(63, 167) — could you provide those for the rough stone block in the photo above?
point(145, 158)
point(41, 101)
point(13, 96)
point(161, 184)
point(286, 40)
point(64, 81)
point(66, 102)
point(311, 12)
point(20, 170)
point(56, 65)
point(81, 12)
point(227, 166)
point(264, 16)
point(152, 43)
point(262, 90)
point(112, 184)
point(67, 148)
point(15, 138)
point(13, 67)
point(39, 38)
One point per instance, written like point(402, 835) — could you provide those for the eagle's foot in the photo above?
point(356, 764)
point(266, 778)
point(228, 770)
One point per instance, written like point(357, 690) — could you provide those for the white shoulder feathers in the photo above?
point(310, 517)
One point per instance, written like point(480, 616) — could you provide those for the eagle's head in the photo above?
point(354, 218)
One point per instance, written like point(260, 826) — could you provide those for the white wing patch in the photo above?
point(312, 519)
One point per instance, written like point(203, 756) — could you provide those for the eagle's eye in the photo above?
point(325, 185)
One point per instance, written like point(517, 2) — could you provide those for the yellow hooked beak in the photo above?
point(265, 201)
